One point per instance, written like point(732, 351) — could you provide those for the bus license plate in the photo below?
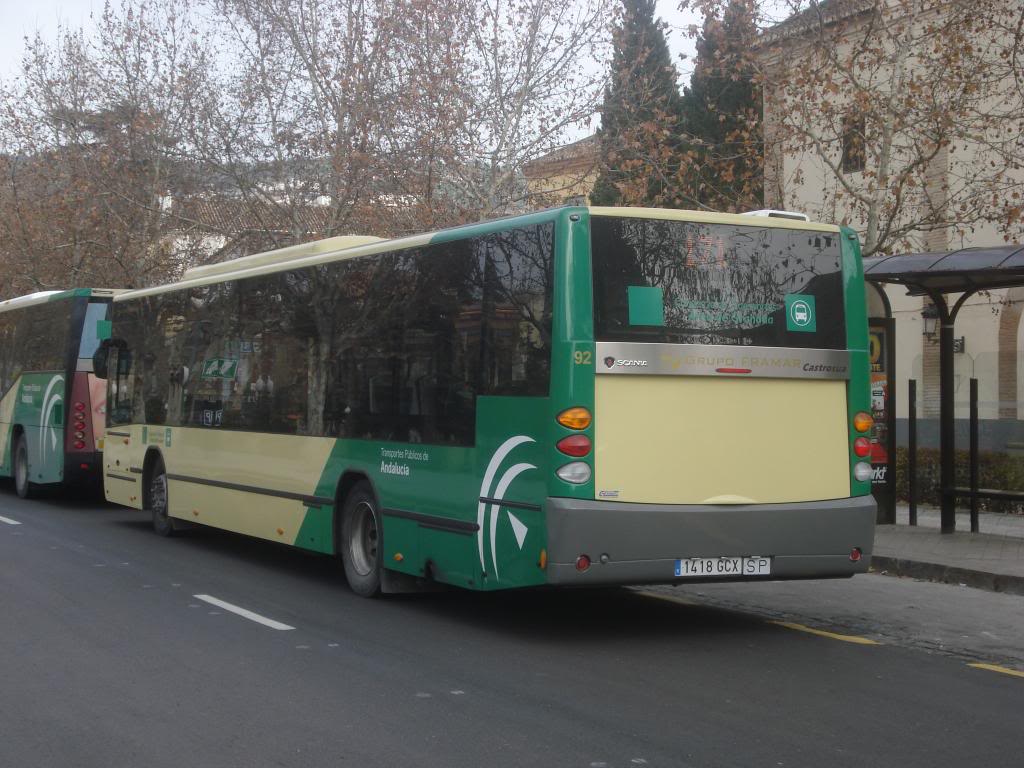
point(724, 566)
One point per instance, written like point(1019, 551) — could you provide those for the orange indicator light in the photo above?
point(862, 422)
point(575, 418)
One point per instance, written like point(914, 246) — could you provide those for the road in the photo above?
point(108, 658)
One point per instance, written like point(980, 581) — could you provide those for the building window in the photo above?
point(854, 154)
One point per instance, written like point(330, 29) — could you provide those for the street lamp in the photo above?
point(930, 316)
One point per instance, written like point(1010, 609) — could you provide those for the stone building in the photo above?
point(566, 174)
point(825, 166)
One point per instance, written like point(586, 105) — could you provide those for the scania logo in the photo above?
point(611, 362)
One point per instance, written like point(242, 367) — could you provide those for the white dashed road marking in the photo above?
point(245, 614)
point(9, 521)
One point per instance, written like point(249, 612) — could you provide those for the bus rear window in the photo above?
point(95, 312)
point(690, 283)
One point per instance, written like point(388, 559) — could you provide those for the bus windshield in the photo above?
point(662, 281)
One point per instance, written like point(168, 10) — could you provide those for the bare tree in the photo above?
point(182, 131)
point(91, 136)
point(533, 81)
point(900, 117)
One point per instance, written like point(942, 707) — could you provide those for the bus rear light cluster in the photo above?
point(576, 472)
point(574, 445)
point(862, 447)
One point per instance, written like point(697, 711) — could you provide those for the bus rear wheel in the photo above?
point(156, 500)
point(361, 551)
point(21, 468)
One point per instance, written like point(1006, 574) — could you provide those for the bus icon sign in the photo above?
point(800, 315)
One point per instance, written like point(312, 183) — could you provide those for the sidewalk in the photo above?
point(993, 559)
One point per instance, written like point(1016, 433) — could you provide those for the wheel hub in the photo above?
point(363, 543)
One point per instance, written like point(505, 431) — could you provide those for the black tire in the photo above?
point(22, 468)
point(361, 540)
point(157, 500)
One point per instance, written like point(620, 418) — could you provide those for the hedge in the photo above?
point(995, 470)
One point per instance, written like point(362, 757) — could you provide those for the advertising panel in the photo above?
point(883, 452)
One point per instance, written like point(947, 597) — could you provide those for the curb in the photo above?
point(948, 574)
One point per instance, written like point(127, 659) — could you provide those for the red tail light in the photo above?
point(574, 445)
point(582, 563)
point(79, 435)
point(862, 446)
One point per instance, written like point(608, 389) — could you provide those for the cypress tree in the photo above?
point(640, 117)
point(722, 113)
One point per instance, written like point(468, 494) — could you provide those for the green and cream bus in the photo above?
point(578, 396)
point(53, 405)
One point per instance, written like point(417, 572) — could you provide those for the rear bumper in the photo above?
point(642, 541)
point(83, 468)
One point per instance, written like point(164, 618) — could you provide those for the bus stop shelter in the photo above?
point(939, 275)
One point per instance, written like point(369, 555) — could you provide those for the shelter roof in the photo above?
point(965, 269)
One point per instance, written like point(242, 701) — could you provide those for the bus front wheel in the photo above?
point(21, 468)
point(361, 541)
point(156, 498)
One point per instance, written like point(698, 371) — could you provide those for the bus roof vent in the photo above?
point(291, 253)
point(772, 213)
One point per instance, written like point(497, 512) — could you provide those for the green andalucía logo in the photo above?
point(800, 315)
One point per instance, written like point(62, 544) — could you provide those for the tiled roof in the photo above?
point(233, 216)
point(824, 12)
point(578, 154)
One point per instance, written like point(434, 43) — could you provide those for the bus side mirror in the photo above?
point(99, 359)
point(101, 356)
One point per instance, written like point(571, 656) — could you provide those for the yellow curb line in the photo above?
point(670, 598)
point(822, 633)
point(997, 668)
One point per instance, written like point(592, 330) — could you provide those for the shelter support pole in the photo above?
point(974, 455)
point(912, 451)
point(947, 415)
point(947, 424)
